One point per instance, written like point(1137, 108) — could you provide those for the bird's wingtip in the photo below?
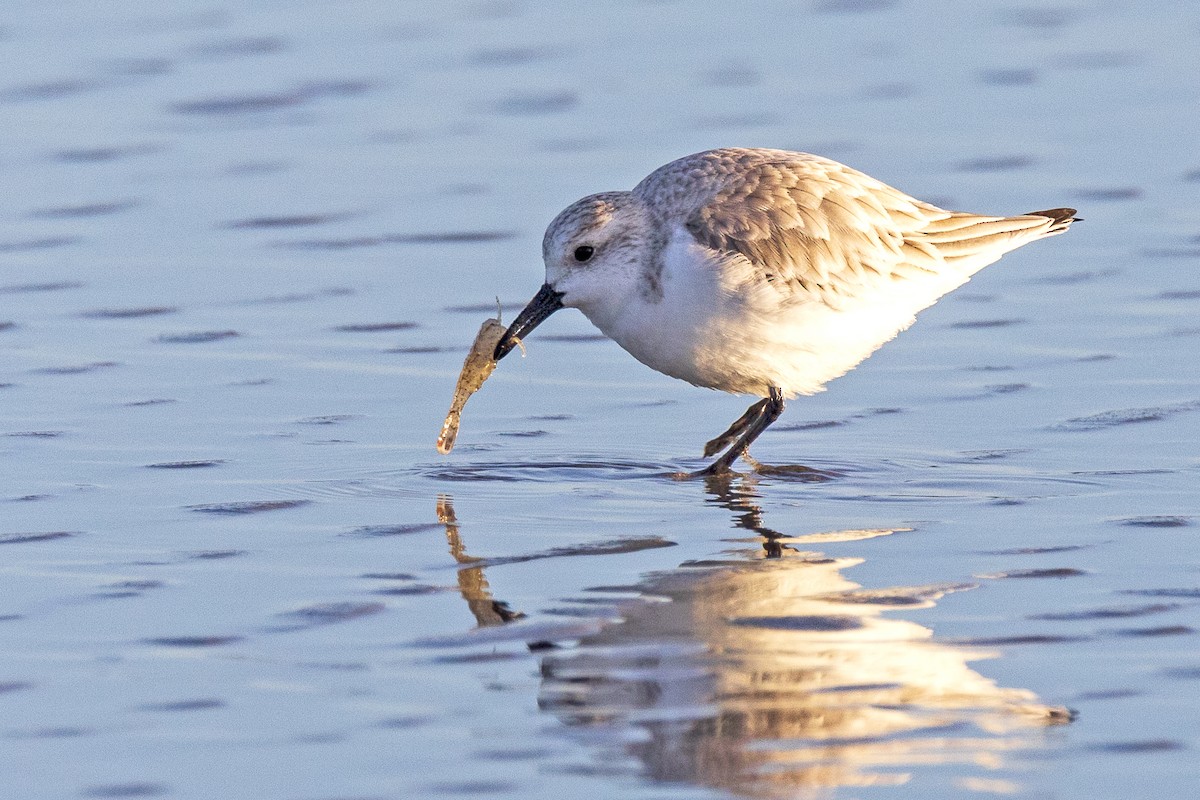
point(1062, 217)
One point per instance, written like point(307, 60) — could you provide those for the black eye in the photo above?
point(584, 252)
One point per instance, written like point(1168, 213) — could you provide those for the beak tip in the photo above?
point(544, 303)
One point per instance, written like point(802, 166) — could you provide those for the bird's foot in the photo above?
point(711, 471)
point(721, 468)
point(753, 463)
point(793, 472)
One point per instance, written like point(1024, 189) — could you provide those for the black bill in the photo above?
point(543, 304)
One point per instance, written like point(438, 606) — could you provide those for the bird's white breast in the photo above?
point(717, 323)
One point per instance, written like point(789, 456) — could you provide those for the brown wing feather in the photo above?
point(824, 228)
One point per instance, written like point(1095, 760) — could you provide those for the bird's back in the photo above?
point(813, 225)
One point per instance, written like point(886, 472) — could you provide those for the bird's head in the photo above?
point(594, 252)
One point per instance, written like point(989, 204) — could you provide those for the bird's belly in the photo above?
point(798, 349)
point(745, 349)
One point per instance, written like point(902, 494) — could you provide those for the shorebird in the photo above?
point(761, 272)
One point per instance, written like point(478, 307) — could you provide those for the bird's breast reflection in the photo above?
point(777, 676)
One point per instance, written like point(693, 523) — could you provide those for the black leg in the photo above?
point(736, 429)
point(769, 410)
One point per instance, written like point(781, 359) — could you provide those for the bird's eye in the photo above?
point(584, 252)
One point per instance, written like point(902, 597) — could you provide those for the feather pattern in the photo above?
point(822, 229)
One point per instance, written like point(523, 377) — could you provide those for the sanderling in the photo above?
point(761, 272)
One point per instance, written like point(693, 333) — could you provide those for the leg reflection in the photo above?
point(737, 494)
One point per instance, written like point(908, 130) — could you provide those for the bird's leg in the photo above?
point(769, 410)
point(736, 429)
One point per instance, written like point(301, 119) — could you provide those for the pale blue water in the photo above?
point(236, 244)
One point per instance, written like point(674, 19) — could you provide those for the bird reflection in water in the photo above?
point(776, 676)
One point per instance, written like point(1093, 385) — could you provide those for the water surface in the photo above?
point(243, 251)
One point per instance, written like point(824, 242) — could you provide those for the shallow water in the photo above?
point(243, 250)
